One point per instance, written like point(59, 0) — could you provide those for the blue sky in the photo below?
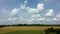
point(29, 12)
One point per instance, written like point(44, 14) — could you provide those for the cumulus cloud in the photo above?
point(50, 12)
point(58, 16)
point(41, 19)
point(40, 6)
point(29, 15)
point(17, 11)
point(12, 19)
point(35, 17)
point(14, 12)
point(32, 10)
point(55, 19)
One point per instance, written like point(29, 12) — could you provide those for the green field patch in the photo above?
point(26, 32)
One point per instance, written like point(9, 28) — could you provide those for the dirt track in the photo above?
point(12, 28)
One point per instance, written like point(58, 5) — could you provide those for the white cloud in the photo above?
point(40, 6)
point(41, 19)
point(35, 17)
point(14, 12)
point(32, 10)
point(48, 19)
point(50, 13)
point(58, 16)
point(12, 19)
point(55, 19)
point(22, 6)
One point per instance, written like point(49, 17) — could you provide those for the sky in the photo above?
point(29, 12)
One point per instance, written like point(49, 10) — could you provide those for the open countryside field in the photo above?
point(25, 29)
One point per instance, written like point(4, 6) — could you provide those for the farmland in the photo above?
point(25, 29)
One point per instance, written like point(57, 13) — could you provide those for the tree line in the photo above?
point(29, 25)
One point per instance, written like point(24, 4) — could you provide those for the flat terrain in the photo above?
point(25, 28)
point(25, 32)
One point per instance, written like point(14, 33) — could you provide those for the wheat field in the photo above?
point(16, 28)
